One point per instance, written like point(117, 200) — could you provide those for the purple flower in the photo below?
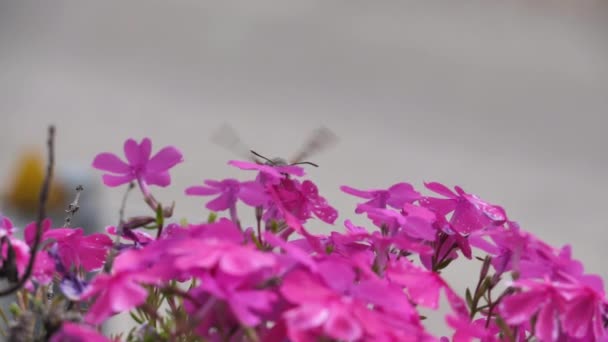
point(396, 196)
point(229, 191)
point(139, 166)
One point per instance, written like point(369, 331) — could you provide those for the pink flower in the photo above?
point(229, 191)
point(318, 307)
point(328, 311)
point(72, 332)
point(244, 300)
point(540, 297)
point(300, 199)
point(516, 250)
point(424, 286)
point(139, 165)
point(396, 196)
point(139, 237)
point(6, 227)
point(466, 331)
point(585, 308)
point(44, 266)
point(415, 223)
point(20, 249)
point(74, 249)
point(121, 290)
point(228, 257)
point(294, 252)
point(21, 252)
point(293, 222)
point(470, 212)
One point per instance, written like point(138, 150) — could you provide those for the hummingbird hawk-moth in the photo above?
point(320, 139)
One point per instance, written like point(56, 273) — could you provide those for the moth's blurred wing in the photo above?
point(227, 137)
point(320, 139)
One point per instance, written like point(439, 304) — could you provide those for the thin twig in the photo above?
point(119, 231)
point(73, 207)
point(44, 194)
point(121, 212)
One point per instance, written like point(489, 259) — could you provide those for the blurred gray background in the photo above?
point(508, 100)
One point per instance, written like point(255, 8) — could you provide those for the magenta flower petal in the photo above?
point(252, 193)
point(547, 326)
point(440, 189)
point(242, 261)
point(402, 193)
point(44, 268)
point(164, 159)
point(29, 232)
point(292, 250)
point(149, 171)
point(145, 149)
point(114, 293)
point(296, 281)
point(518, 308)
point(127, 296)
point(222, 202)
point(291, 169)
point(243, 165)
point(72, 332)
point(308, 316)
point(60, 234)
point(357, 192)
point(202, 191)
point(93, 250)
point(342, 326)
point(132, 151)
point(161, 179)
point(110, 162)
point(112, 180)
point(245, 302)
point(387, 296)
point(337, 275)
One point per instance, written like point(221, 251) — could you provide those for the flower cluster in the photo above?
point(268, 278)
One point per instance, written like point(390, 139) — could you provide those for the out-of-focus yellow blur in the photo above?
point(23, 186)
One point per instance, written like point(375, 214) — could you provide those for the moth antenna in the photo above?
point(261, 156)
point(305, 162)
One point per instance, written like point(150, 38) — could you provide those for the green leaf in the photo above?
point(274, 226)
point(444, 264)
point(14, 309)
point(136, 318)
point(504, 328)
point(212, 217)
point(469, 298)
point(160, 217)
